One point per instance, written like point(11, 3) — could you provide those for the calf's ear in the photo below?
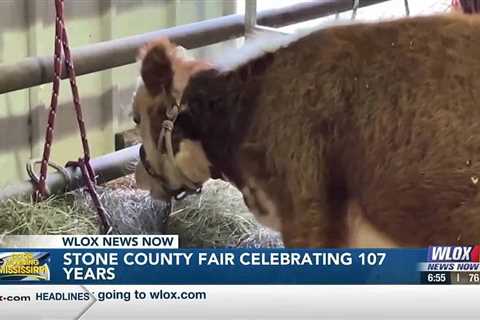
point(156, 67)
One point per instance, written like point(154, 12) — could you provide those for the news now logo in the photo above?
point(452, 258)
point(24, 266)
point(454, 254)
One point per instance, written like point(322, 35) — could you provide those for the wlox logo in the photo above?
point(454, 254)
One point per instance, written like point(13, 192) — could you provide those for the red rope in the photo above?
point(61, 42)
point(41, 189)
point(89, 181)
point(76, 103)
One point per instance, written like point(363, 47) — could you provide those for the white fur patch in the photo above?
point(260, 204)
point(192, 161)
point(361, 233)
point(184, 53)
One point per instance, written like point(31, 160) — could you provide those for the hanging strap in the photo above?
point(61, 42)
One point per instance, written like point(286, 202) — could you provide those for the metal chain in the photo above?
point(61, 42)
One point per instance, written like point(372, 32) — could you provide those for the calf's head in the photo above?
point(170, 162)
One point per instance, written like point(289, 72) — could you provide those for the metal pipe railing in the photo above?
point(105, 55)
point(34, 71)
point(108, 167)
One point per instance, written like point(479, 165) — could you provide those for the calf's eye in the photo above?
point(136, 118)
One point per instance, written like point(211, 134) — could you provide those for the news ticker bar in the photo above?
point(156, 259)
point(241, 302)
point(224, 266)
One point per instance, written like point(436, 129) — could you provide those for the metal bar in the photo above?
point(108, 167)
point(356, 5)
point(259, 28)
point(407, 8)
point(110, 54)
point(250, 16)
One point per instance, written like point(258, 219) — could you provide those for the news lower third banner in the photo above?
point(157, 260)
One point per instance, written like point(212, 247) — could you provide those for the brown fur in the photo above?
point(157, 70)
point(385, 116)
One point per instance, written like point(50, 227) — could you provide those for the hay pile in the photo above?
point(215, 218)
point(218, 217)
point(58, 215)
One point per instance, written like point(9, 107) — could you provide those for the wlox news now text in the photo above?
point(118, 241)
point(452, 258)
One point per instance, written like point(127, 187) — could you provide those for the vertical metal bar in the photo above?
point(407, 8)
point(356, 5)
point(250, 16)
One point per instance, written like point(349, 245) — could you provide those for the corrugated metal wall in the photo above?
point(27, 29)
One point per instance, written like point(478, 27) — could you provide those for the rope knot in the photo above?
point(167, 125)
point(172, 112)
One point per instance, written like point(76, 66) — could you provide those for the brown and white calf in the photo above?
point(356, 135)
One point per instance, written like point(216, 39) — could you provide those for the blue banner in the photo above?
point(214, 266)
